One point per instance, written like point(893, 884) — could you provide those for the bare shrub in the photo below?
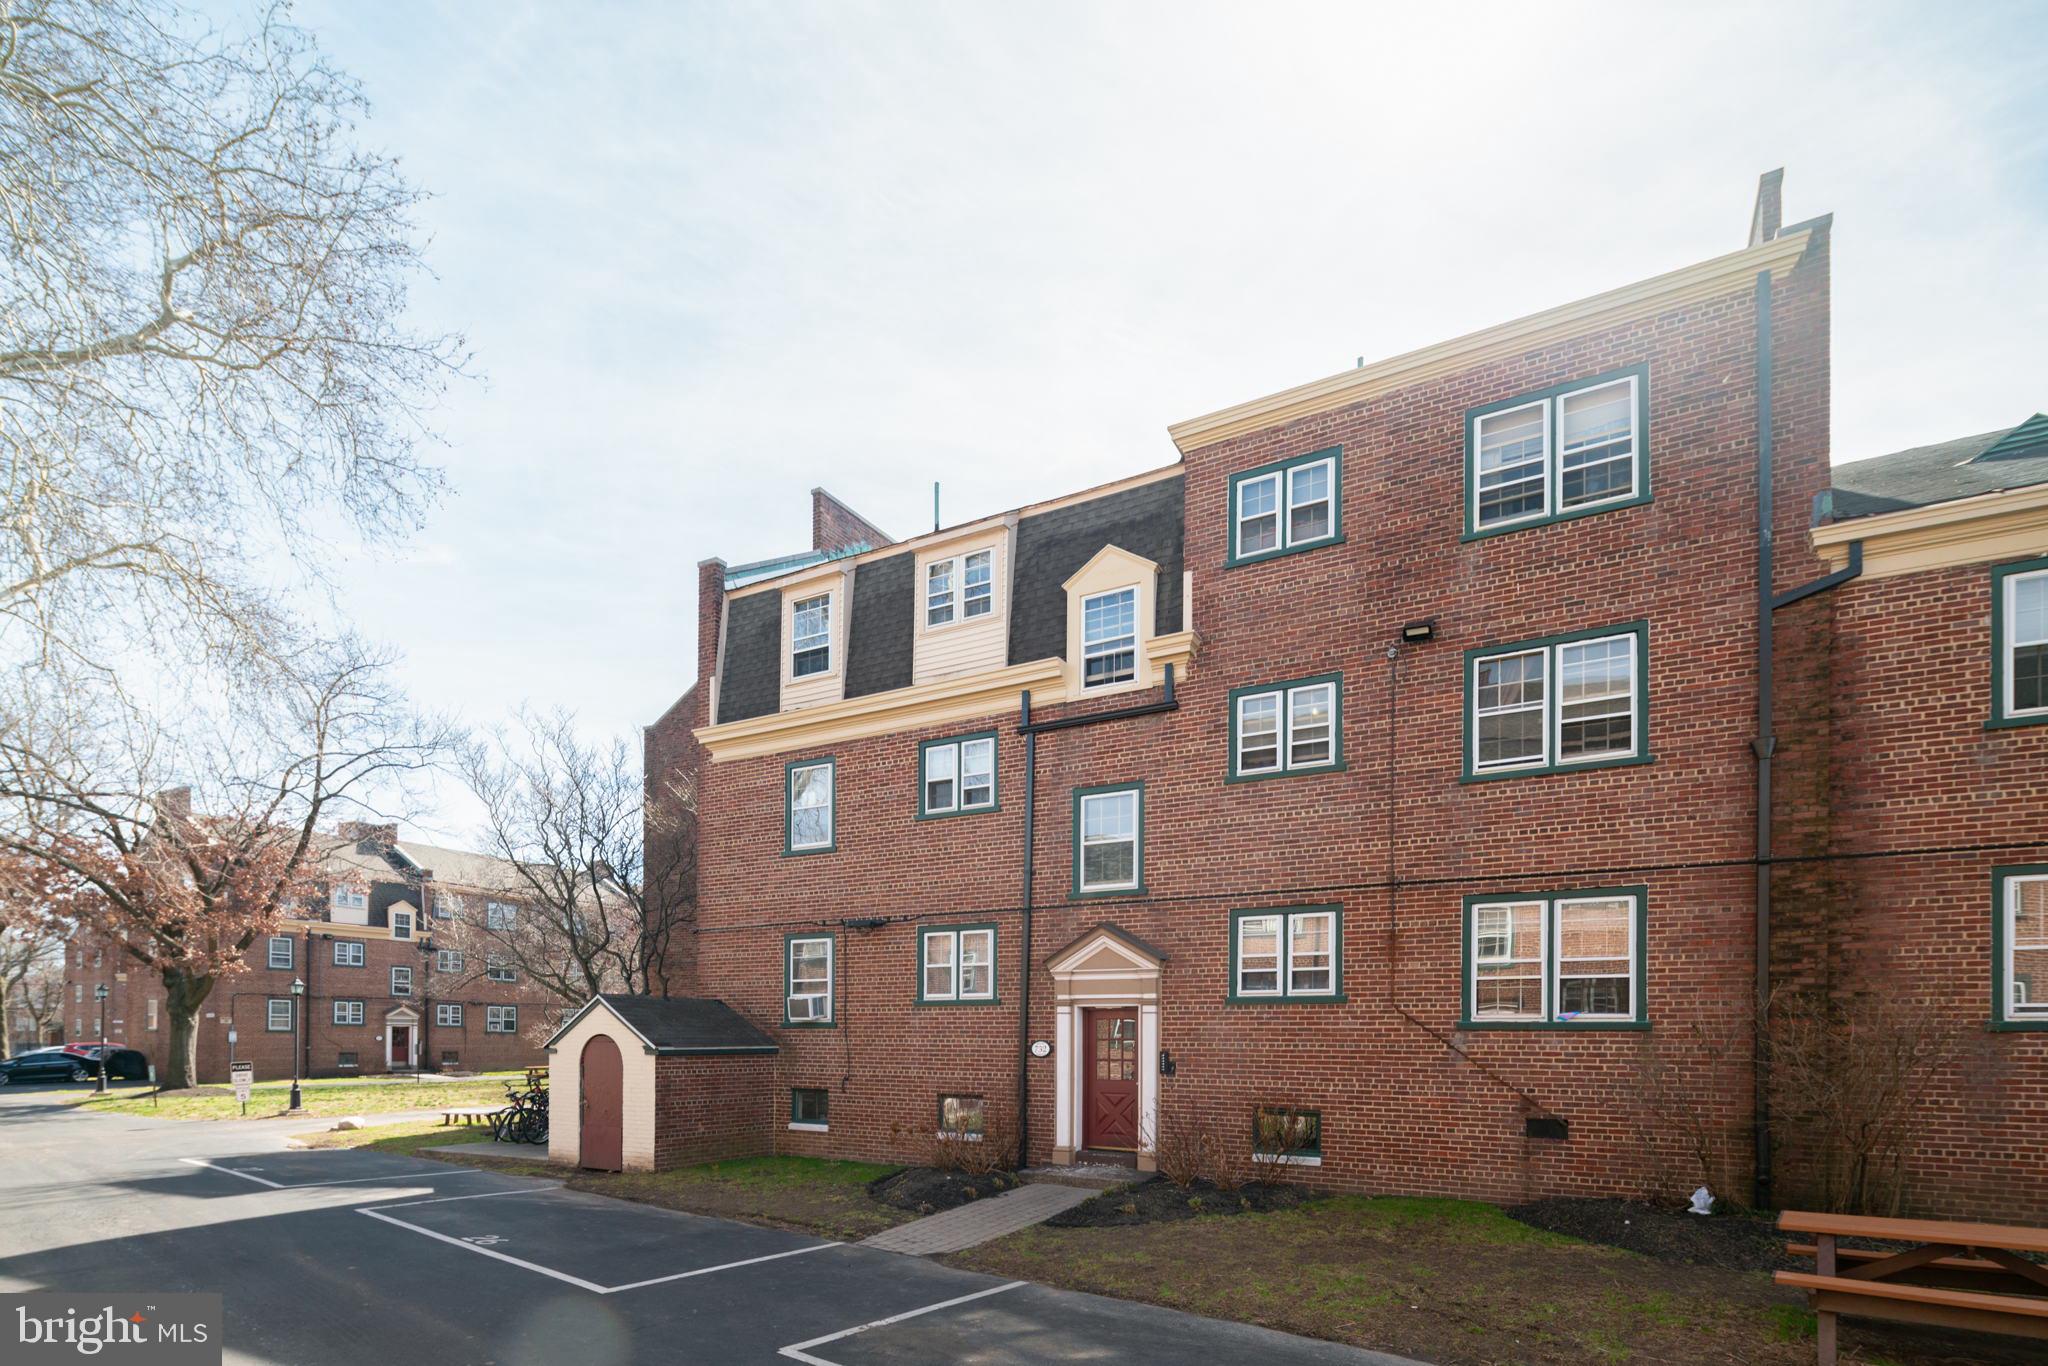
point(1681, 1132)
point(984, 1154)
point(1188, 1150)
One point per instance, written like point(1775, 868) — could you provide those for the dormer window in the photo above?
point(1109, 638)
point(810, 636)
point(959, 589)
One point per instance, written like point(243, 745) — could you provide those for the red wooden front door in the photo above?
point(602, 1077)
point(1111, 1081)
point(401, 1045)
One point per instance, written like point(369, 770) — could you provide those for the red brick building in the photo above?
point(395, 976)
point(1390, 764)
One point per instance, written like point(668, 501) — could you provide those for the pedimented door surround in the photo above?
point(1104, 968)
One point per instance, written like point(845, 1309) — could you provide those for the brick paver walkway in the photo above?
point(972, 1225)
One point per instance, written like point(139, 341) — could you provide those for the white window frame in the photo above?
point(446, 904)
point(2013, 644)
point(1552, 461)
point(501, 916)
point(346, 1057)
point(1549, 964)
point(349, 953)
point(1113, 645)
point(348, 899)
point(497, 969)
point(1283, 965)
point(958, 802)
point(401, 975)
point(790, 995)
point(448, 1015)
point(401, 925)
point(349, 1012)
point(447, 960)
point(284, 940)
point(1283, 696)
point(1552, 705)
point(831, 771)
point(1282, 479)
point(949, 598)
point(271, 1013)
point(501, 1019)
point(955, 964)
point(149, 1013)
point(2017, 1010)
point(1541, 962)
point(822, 602)
point(1554, 986)
point(1136, 839)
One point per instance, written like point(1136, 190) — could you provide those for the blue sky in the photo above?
point(712, 255)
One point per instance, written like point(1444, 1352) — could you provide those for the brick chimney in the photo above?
point(710, 622)
point(835, 526)
point(1769, 214)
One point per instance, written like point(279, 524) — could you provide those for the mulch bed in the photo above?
point(1162, 1202)
point(1738, 1242)
point(927, 1190)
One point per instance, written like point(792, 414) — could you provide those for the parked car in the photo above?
point(73, 1062)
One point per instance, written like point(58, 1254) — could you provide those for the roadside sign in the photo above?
point(243, 1074)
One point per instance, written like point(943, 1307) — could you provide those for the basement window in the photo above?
point(963, 1117)
point(1284, 1134)
point(810, 1109)
point(344, 1060)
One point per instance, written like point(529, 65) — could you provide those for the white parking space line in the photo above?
point(593, 1287)
point(302, 1185)
point(486, 1195)
point(799, 1351)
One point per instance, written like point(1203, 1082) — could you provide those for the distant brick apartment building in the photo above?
point(389, 952)
point(1394, 761)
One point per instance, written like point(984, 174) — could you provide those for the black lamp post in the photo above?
point(298, 1023)
point(99, 995)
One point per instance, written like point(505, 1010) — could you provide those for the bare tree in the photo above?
point(602, 887)
point(33, 924)
point(42, 996)
point(184, 891)
point(202, 285)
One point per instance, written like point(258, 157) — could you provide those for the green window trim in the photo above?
point(831, 1020)
point(925, 932)
point(789, 771)
point(1287, 996)
point(2001, 1016)
point(1551, 464)
point(995, 791)
point(1333, 454)
point(1334, 764)
point(1640, 965)
point(2002, 714)
point(1471, 773)
point(1138, 889)
point(822, 1119)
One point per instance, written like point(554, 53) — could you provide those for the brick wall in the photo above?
point(710, 1108)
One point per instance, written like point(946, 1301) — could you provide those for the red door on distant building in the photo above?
point(1111, 1081)
point(602, 1076)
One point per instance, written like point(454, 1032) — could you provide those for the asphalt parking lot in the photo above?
point(349, 1256)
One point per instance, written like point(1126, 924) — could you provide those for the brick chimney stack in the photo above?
point(710, 622)
point(835, 526)
point(1769, 214)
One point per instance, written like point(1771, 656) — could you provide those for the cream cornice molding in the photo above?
point(1706, 280)
point(918, 707)
point(2009, 525)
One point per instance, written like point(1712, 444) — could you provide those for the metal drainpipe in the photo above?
point(1024, 940)
point(1766, 738)
point(305, 1005)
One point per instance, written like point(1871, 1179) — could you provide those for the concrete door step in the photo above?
point(980, 1222)
point(1088, 1176)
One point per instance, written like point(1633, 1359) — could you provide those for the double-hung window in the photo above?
point(349, 899)
point(1567, 958)
point(959, 589)
point(501, 1019)
point(2019, 643)
point(2019, 941)
point(1289, 506)
point(1294, 954)
point(278, 1014)
point(281, 951)
point(958, 776)
point(808, 822)
point(958, 963)
point(500, 915)
point(1109, 638)
point(1286, 727)
point(401, 981)
point(1566, 702)
point(448, 1014)
point(447, 960)
point(348, 953)
point(348, 1012)
point(497, 969)
point(1109, 840)
point(1560, 452)
point(810, 636)
point(401, 924)
point(807, 993)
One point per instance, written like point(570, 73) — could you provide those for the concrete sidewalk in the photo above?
point(980, 1222)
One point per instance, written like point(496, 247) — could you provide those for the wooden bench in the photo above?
point(1995, 1291)
point(468, 1115)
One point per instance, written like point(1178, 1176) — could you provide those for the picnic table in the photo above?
point(1951, 1275)
point(467, 1115)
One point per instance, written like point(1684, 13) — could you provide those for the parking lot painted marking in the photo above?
point(800, 1351)
point(300, 1185)
point(475, 1243)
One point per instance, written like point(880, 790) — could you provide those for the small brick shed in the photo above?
point(642, 1083)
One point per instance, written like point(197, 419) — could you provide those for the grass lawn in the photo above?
point(804, 1193)
point(343, 1097)
point(1453, 1282)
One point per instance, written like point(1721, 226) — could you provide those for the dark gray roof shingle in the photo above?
point(2010, 458)
point(689, 1024)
